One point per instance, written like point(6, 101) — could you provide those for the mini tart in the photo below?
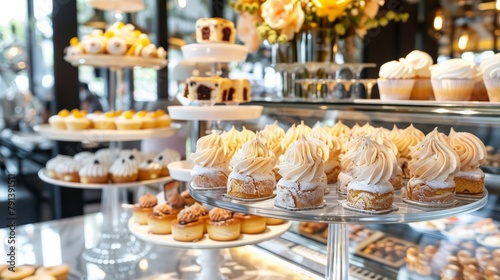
point(105, 121)
point(251, 224)
point(145, 206)
point(149, 170)
point(274, 221)
point(68, 171)
point(161, 119)
point(147, 121)
point(94, 172)
point(77, 121)
point(367, 200)
point(187, 232)
point(160, 220)
point(57, 121)
point(60, 272)
point(20, 272)
point(127, 122)
point(202, 214)
point(222, 225)
point(176, 202)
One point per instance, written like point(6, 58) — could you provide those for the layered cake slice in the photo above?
point(215, 30)
point(203, 89)
point(236, 91)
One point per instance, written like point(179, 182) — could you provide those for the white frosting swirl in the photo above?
point(339, 129)
point(420, 61)
point(456, 68)
point(294, 133)
point(491, 66)
point(439, 135)
point(67, 166)
point(83, 157)
point(94, 168)
point(254, 158)
point(469, 148)
point(274, 129)
point(433, 160)
point(381, 138)
point(123, 167)
point(406, 139)
point(232, 140)
point(396, 70)
point(246, 135)
point(53, 162)
point(167, 156)
point(302, 162)
point(210, 152)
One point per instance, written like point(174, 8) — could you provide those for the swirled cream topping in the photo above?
point(162, 209)
point(232, 140)
point(346, 160)
point(469, 148)
point(167, 156)
point(439, 135)
point(302, 162)
point(175, 200)
point(433, 160)
point(94, 168)
point(186, 216)
point(253, 158)
point(294, 133)
point(220, 215)
point(381, 138)
point(332, 143)
point(210, 152)
point(420, 61)
point(272, 141)
point(148, 201)
point(406, 139)
point(123, 167)
point(456, 68)
point(339, 129)
point(53, 162)
point(491, 66)
point(246, 135)
point(199, 209)
point(366, 129)
point(150, 165)
point(396, 70)
point(274, 129)
point(373, 163)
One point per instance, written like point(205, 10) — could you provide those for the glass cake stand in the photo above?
point(338, 217)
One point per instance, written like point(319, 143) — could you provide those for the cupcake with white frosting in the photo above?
point(166, 157)
point(123, 170)
point(94, 172)
point(453, 80)
point(83, 157)
point(396, 80)
point(421, 63)
point(68, 171)
point(211, 163)
point(491, 76)
point(52, 163)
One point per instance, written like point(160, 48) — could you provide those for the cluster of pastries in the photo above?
point(454, 261)
point(119, 39)
point(113, 120)
point(32, 272)
point(366, 162)
point(215, 30)
point(213, 90)
point(357, 233)
point(114, 166)
point(187, 220)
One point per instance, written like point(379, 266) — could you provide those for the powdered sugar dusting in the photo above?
point(362, 186)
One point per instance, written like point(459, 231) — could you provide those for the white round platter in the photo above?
point(115, 61)
point(142, 232)
point(213, 113)
point(101, 135)
point(181, 170)
point(214, 52)
point(42, 174)
point(483, 241)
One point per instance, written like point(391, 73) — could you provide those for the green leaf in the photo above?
point(340, 29)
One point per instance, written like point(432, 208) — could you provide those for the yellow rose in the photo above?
point(246, 30)
point(286, 16)
point(330, 8)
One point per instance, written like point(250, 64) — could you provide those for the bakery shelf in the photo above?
point(98, 135)
point(214, 113)
point(42, 174)
point(114, 61)
point(214, 52)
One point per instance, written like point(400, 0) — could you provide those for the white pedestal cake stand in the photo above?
point(338, 218)
point(210, 258)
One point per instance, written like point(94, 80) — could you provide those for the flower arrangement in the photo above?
point(277, 21)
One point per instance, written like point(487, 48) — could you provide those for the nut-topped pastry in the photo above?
point(211, 164)
point(187, 227)
point(472, 153)
point(433, 165)
point(222, 226)
point(303, 176)
point(373, 166)
point(145, 206)
point(176, 201)
point(215, 30)
point(160, 220)
point(252, 175)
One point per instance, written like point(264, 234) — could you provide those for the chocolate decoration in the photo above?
point(245, 94)
point(205, 33)
point(226, 34)
point(231, 93)
point(160, 158)
point(186, 91)
point(131, 157)
point(149, 161)
point(224, 95)
point(96, 161)
point(204, 92)
point(192, 84)
point(123, 160)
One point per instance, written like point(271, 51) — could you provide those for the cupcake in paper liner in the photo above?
point(454, 80)
point(421, 63)
point(396, 81)
point(491, 76)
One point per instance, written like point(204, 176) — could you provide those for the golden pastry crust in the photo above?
point(332, 175)
point(187, 232)
point(60, 272)
point(148, 174)
point(124, 179)
point(417, 190)
point(69, 176)
point(299, 197)
point(343, 181)
point(274, 221)
point(312, 227)
point(250, 188)
point(140, 214)
point(396, 181)
point(214, 180)
point(160, 224)
point(224, 231)
point(370, 201)
point(465, 185)
point(20, 272)
point(94, 179)
point(251, 224)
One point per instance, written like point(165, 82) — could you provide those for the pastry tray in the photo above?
point(380, 236)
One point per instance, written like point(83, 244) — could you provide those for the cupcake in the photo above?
point(160, 220)
point(211, 164)
point(68, 171)
point(106, 156)
point(251, 224)
point(127, 121)
point(147, 121)
point(77, 121)
point(148, 170)
point(166, 157)
point(145, 206)
point(161, 119)
point(105, 121)
point(421, 63)
point(94, 172)
point(57, 121)
point(222, 225)
point(83, 157)
point(187, 227)
point(396, 81)
point(472, 153)
point(123, 170)
point(491, 76)
point(52, 163)
point(453, 80)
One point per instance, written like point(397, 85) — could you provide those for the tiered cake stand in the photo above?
point(116, 244)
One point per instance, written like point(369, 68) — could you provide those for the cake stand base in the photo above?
point(211, 260)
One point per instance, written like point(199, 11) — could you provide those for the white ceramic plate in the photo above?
point(485, 240)
point(101, 135)
point(214, 52)
point(213, 113)
point(142, 232)
point(116, 61)
point(42, 174)
point(181, 170)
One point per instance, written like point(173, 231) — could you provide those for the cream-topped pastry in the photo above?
point(252, 171)
point(83, 157)
point(472, 153)
point(146, 119)
point(211, 164)
point(143, 207)
point(105, 121)
point(339, 129)
point(439, 135)
point(346, 164)
point(67, 170)
point(123, 170)
point(274, 129)
point(164, 158)
point(149, 169)
point(127, 121)
point(160, 118)
point(433, 165)
point(334, 148)
point(294, 133)
point(246, 135)
point(396, 80)
point(365, 130)
point(490, 67)
point(454, 80)
point(188, 226)
point(106, 155)
point(381, 138)
point(57, 121)
point(94, 172)
point(404, 140)
point(116, 46)
point(420, 62)
point(373, 166)
point(396, 70)
point(52, 163)
point(222, 226)
point(77, 120)
point(232, 140)
point(160, 220)
point(176, 201)
point(303, 176)
point(74, 48)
